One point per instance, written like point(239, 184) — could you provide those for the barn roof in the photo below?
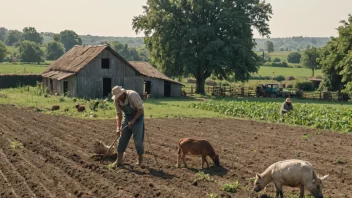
point(147, 69)
point(75, 59)
point(79, 56)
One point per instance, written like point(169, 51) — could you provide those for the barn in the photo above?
point(91, 71)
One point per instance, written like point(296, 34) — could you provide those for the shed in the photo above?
point(156, 83)
point(316, 82)
point(91, 72)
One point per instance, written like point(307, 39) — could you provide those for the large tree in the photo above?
point(3, 32)
point(69, 38)
point(204, 37)
point(31, 34)
point(310, 59)
point(13, 36)
point(294, 57)
point(30, 52)
point(3, 51)
point(54, 50)
point(269, 46)
point(336, 57)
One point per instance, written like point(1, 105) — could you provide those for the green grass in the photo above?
point(154, 108)
point(232, 188)
point(201, 176)
point(296, 72)
point(21, 68)
point(16, 145)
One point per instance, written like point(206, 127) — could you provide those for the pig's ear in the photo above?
point(258, 176)
point(324, 177)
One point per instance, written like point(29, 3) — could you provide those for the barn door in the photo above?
point(65, 87)
point(167, 89)
point(106, 86)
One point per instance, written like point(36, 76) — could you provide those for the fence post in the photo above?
point(192, 90)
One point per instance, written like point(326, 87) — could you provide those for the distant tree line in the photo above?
point(290, 44)
point(34, 47)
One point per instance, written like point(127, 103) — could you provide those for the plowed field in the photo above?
point(56, 161)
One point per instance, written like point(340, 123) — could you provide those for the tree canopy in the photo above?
point(31, 34)
point(336, 58)
point(204, 37)
point(30, 52)
point(3, 32)
point(12, 37)
point(294, 57)
point(130, 54)
point(310, 59)
point(3, 51)
point(54, 50)
point(69, 38)
point(269, 46)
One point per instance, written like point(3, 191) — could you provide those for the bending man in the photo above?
point(130, 103)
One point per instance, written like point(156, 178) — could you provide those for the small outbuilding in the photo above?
point(91, 72)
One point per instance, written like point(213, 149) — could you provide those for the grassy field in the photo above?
point(154, 108)
point(281, 55)
point(21, 68)
point(296, 72)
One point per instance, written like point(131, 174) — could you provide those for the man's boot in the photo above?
point(140, 159)
point(119, 160)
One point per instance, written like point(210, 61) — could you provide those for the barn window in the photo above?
point(105, 63)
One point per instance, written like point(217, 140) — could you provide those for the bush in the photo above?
point(294, 57)
point(191, 81)
point(291, 78)
point(210, 83)
point(260, 78)
point(277, 60)
point(319, 77)
point(279, 78)
point(283, 64)
point(305, 86)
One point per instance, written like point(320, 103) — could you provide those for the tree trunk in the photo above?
point(200, 85)
point(313, 72)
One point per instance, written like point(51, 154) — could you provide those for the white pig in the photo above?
point(292, 173)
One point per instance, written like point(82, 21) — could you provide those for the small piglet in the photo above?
point(80, 108)
point(292, 173)
point(55, 107)
point(196, 147)
point(100, 149)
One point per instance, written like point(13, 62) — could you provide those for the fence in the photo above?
point(12, 81)
point(251, 92)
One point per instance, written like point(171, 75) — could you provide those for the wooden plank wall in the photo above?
point(90, 78)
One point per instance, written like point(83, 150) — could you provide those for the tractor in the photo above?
point(268, 90)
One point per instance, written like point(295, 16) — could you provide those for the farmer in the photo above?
point(130, 103)
point(286, 106)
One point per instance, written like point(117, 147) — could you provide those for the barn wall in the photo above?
point(176, 90)
point(157, 86)
point(90, 78)
point(134, 83)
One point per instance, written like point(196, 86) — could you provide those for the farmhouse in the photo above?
point(91, 72)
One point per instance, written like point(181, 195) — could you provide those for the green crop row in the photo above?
point(318, 116)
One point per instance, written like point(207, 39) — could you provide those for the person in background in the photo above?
point(286, 106)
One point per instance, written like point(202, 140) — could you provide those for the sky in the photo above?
point(314, 18)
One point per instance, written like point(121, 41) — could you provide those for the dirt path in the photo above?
point(56, 162)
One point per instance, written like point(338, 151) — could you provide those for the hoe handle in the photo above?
point(112, 145)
